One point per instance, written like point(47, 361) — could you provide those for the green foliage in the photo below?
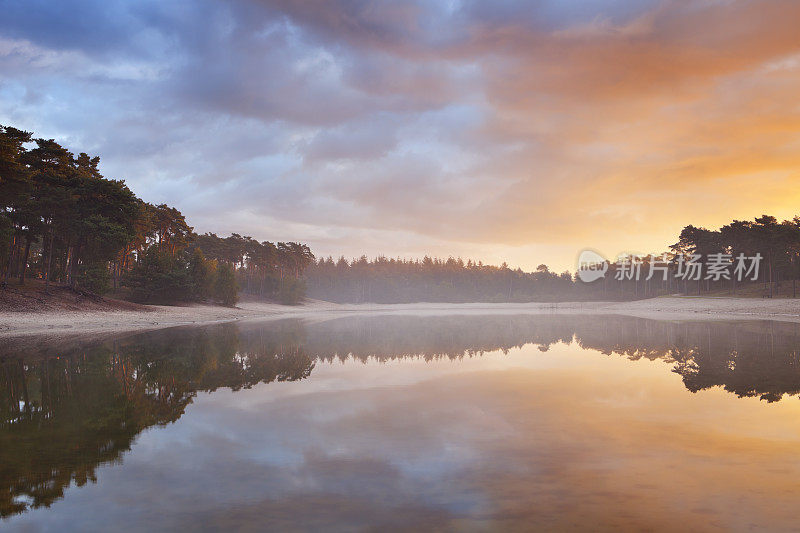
point(292, 291)
point(106, 215)
point(259, 267)
point(226, 289)
point(94, 277)
point(62, 221)
point(160, 278)
point(204, 274)
point(13, 173)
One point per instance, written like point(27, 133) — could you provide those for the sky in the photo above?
point(486, 129)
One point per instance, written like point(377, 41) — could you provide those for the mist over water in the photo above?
point(397, 421)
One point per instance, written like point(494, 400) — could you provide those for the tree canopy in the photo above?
point(62, 221)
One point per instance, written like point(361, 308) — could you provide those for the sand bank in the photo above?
point(151, 317)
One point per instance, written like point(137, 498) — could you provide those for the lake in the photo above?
point(405, 422)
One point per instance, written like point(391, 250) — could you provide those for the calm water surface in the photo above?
point(401, 422)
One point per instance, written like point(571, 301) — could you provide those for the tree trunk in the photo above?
point(72, 265)
point(25, 261)
point(49, 261)
point(12, 248)
point(68, 264)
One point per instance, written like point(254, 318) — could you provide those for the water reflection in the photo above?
point(68, 407)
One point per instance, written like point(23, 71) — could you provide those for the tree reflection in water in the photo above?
point(70, 409)
point(67, 407)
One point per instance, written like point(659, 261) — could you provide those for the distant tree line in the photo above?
point(61, 221)
point(385, 280)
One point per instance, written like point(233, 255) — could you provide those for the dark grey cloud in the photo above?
point(95, 27)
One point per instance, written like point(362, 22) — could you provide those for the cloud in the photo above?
point(468, 125)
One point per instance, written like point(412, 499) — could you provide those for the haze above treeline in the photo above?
point(62, 222)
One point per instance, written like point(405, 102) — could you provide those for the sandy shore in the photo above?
point(666, 308)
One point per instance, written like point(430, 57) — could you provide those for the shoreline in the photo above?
point(677, 308)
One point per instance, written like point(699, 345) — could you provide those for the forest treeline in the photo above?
point(776, 243)
point(61, 221)
point(385, 280)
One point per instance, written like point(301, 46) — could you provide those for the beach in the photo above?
point(70, 322)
